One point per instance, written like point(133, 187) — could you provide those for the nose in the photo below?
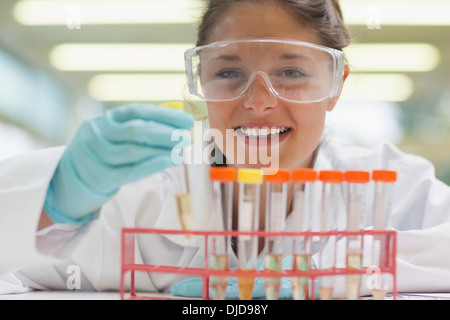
point(259, 95)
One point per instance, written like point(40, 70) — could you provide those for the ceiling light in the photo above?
point(137, 87)
point(377, 87)
point(119, 57)
point(375, 14)
point(35, 12)
point(392, 57)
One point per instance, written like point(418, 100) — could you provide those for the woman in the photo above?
point(277, 66)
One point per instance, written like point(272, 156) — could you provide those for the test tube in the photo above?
point(356, 193)
point(384, 183)
point(222, 184)
point(183, 196)
point(331, 189)
point(303, 180)
point(276, 207)
point(250, 181)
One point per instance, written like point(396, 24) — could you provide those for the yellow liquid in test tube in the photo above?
point(246, 286)
point(249, 181)
point(219, 284)
point(357, 188)
point(185, 214)
point(384, 180)
point(222, 179)
point(276, 210)
point(273, 263)
point(300, 285)
point(353, 281)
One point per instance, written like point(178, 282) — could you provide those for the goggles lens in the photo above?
point(294, 71)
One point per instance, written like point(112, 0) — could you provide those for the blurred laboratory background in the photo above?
point(62, 62)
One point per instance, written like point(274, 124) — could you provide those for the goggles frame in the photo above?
point(338, 58)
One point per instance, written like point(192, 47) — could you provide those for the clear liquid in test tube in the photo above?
point(276, 208)
point(249, 181)
point(384, 183)
point(357, 191)
point(331, 191)
point(183, 196)
point(303, 180)
point(222, 183)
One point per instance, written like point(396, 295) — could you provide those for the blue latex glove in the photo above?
point(192, 287)
point(122, 146)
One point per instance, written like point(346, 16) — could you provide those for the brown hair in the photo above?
point(323, 17)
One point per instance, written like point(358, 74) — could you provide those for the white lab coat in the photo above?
point(43, 260)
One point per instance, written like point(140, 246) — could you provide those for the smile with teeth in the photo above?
point(264, 132)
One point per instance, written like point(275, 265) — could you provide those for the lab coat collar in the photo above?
point(323, 158)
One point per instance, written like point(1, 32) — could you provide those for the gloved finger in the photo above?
point(147, 167)
point(286, 289)
point(148, 133)
point(124, 154)
point(105, 178)
point(259, 289)
point(191, 287)
point(232, 290)
point(117, 154)
point(170, 116)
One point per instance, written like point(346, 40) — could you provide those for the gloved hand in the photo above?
point(192, 287)
point(122, 146)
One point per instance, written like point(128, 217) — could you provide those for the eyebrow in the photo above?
point(227, 57)
point(288, 56)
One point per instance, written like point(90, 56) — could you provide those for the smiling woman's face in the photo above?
point(296, 127)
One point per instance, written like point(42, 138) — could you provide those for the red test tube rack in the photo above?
point(130, 267)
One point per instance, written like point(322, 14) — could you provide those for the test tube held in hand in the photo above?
point(303, 180)
point(357, 190)
point(222, 183)
point(331, 189)
point(183, 196)
point(276, 207)
point(249, 181)
point(383, 187)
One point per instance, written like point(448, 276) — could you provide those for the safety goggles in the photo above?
point(291, 70)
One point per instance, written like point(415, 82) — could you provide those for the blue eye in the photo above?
point(293, 73)
point(230, 74)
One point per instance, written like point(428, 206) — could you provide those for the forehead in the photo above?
point(269, 50)
point(259, 21)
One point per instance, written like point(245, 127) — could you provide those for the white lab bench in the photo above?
point(88, 295)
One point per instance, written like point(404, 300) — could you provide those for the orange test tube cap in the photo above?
point(223, 174)
point(357, 176)
point(281, 176)
point(332, 176)
point(384, 175)
point(304, 175)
